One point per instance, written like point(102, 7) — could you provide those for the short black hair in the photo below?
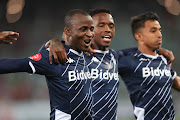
point(139, 20)
point(98, 10)
point(69, 16)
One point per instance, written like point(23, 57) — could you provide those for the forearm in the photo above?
point(14, 65)
point(176, 83)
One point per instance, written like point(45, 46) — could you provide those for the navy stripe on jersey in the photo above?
point(69, 86)
point(105, 81)
point(149, 81)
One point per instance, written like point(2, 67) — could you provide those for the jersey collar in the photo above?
point(75, 52)
point(100, 51)
point(151, 56)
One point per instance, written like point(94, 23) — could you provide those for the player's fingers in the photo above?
point(13, 33)
point(170, 64)
point(11, 38)
point(7, 42)
point(87, 53)
point(10, 33)
point(62, 57)
point(50, 56)
point(171, 57)
point(55, 57)
point(91, 50)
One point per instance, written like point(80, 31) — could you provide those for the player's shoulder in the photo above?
point(128, 56)
point(41, 54)
point(114, 53)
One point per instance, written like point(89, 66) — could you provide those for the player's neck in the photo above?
point(147, 51)
point(72, 47)
point(102, 48)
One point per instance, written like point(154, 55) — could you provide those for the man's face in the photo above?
point(151, 34)
point(81, 32)
point(104, 31)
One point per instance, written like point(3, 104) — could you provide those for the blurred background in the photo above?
point(24, 96)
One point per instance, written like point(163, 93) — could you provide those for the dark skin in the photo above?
point(78, 37)
point(104, 31)
point(57, 50)
point(8, 35)
point(79, 33)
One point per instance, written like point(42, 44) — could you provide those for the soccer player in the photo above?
point(103, 65)
point(8, 35)
point(147, 74)
point(69, 85)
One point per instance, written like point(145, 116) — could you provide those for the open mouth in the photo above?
point(107, 38)
point(87, 42)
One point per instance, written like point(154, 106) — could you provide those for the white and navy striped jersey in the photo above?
point(69, 85)
point(105, 82)
point(149, 81)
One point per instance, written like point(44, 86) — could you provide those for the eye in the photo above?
point(111, 25)
point(101, 25)
point(92, 29)
point(83, 29)
point(153, 30)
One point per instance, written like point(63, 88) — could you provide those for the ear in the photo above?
point(67, 31)
point(138, 36)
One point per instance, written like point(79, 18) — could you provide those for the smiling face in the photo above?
point(80, 33)
point(150, 37)
point(104, 31)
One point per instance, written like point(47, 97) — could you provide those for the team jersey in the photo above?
point(69, 85)
point(149, 81)
point(105, 83)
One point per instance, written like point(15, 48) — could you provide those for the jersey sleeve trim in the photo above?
point(32, 67)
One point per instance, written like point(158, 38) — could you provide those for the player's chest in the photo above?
point(152, 70)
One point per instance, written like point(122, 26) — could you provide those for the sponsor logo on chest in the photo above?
point(93, 74)
point(146, 72)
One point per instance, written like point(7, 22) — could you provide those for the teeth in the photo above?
point(108, 37)
point(87, 42)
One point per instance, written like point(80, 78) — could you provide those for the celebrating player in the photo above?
point(104, 62)
point(69, 85)
point(146, 74)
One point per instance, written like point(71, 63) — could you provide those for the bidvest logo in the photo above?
point(146, 72)
point(94, 74)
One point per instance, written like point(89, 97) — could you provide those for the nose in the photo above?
point(160, 34)
point(107, 29)
point(90, 33)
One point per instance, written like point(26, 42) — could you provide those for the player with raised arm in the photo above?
point(147, 74)
point(69, 85)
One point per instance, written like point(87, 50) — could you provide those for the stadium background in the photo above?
point(24, 96)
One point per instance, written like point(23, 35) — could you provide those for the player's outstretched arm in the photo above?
point(176, 83)
point(57, 51)
point(8, 35)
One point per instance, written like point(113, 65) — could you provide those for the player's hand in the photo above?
point(168, 54)
point(91, 51)
point(8, 35)
point(57, 51)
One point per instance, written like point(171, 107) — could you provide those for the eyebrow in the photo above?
point(155, 28)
